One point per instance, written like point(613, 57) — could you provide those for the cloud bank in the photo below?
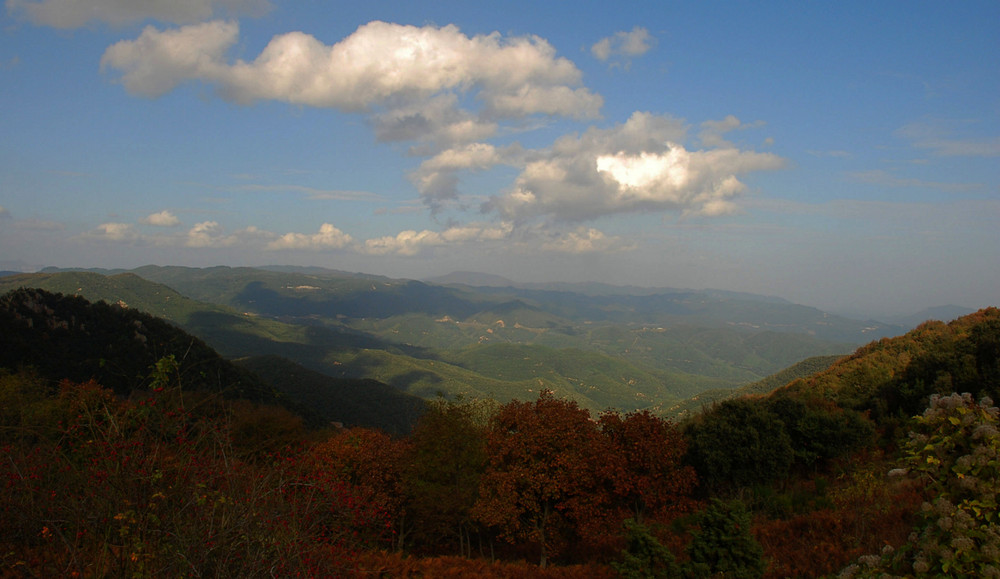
point(452, 94)
point(213, 235)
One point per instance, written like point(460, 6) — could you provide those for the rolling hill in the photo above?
point(706, 399)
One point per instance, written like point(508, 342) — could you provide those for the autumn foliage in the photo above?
point(94, 484)
point(651, 480)
point(98, 486)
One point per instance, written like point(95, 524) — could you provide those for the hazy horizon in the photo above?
point(841, 156)
point(882, 315)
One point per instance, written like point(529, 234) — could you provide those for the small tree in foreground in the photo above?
point(546, 477)
point(441, 477)
point(644, 557)
point(723, 545)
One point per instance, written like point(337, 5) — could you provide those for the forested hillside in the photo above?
point(66, 337)
point(347, 401)
point(699, 402)
point(871, 467)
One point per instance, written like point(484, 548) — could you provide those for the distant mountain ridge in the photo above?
point(360, 295)
point(894, 324)
point(485, 280)
point(471, 278)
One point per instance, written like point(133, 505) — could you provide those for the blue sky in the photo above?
point(843, 155)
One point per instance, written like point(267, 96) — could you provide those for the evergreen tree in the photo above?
point(644, 557)
point(723, 545)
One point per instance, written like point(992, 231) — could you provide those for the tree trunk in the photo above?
point(542, 527)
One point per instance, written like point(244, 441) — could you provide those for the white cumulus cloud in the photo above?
point(156, 62)
point(584, 240)
point(406, 77)
point(212, 234)
point(162, 219)
point(328, 237)
point(76, 13)
point(206, 234)
point(633, 167)
point(635, 42)
point(407, 242)
point(114, 232)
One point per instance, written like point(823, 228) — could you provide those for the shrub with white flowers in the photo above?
point(955, 447)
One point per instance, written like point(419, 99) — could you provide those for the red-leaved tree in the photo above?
point(371, 462)
point(652, 481)
point(548, 473)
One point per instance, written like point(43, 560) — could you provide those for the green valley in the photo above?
point(606, 347)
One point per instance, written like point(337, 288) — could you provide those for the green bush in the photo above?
point(723, 545)
point(644, 557)
point(739, 443)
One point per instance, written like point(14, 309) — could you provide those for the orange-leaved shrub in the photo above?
point(94, 485)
